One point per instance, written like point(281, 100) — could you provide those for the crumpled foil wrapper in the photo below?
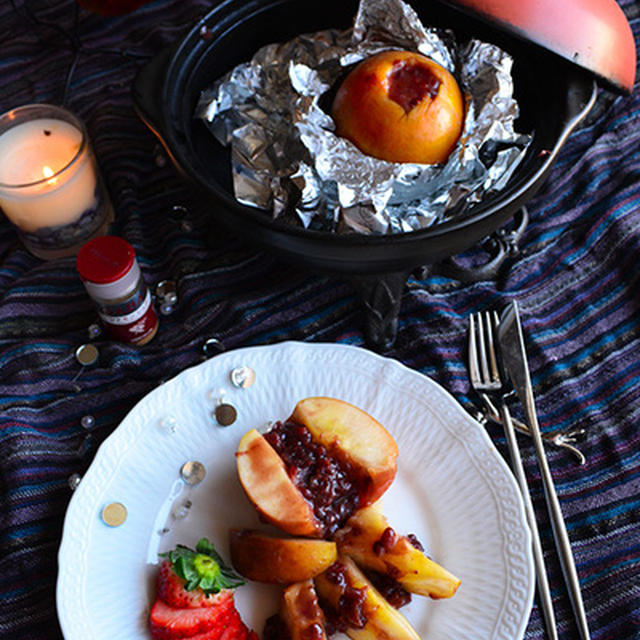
point(287, 159)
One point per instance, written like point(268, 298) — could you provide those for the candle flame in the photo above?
point(48, 172)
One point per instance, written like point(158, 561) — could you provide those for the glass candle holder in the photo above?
point(50, 185)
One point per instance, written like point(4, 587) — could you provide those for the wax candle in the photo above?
point(50, 187)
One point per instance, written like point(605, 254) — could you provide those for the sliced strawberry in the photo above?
point(171, 588)
point(235, 630)
point(171, 623)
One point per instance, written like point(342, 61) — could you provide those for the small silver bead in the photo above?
point(87, 422)
point(192, 472)
point(242, 377)
point(212, 347)
point(94, 331)
point(74, 480)
point(168, 424)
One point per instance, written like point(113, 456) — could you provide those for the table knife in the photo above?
point(514, 357)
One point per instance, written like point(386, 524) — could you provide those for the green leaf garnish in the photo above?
point(202, 568)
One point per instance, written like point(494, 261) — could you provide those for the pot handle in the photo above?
point(501, 245)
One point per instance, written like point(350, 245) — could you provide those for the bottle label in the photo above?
point(130, 320)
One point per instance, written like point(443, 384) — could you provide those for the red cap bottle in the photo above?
point(112, 277)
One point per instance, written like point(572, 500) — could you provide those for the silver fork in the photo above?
point(487, 378)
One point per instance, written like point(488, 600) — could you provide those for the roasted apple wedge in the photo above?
point(373, 544)
point(308, 474)
point(301, 612)
point(357, 608)
point(265, 480)
point(264, 558)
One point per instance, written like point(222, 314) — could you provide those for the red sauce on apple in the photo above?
point(330, 485)
point(350, 612)
point(410, 81)
point(392, 591)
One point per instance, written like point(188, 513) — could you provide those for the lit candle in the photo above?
point(50, 187)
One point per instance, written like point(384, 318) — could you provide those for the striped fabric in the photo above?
point(577, 280)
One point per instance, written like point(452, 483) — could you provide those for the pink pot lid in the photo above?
point(594, 34)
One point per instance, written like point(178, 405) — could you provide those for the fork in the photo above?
point(486, 377)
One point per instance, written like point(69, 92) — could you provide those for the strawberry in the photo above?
point(171, 623)
point(195, 598)
point(171, 589)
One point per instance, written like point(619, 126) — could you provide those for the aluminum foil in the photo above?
point(287, 160)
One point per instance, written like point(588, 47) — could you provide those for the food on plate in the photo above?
point(355, 607)
point(195, 598)
point(400, 106)
point(373, 544)
point(308, 474)
point(265, 558)
point(300, 616)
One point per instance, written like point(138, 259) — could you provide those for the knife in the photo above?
point(514, 357)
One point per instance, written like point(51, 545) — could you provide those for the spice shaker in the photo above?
point(111, 275)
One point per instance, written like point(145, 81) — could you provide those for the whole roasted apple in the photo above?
point(308, 474)
point(400, 106)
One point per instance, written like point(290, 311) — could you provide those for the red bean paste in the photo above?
point(331, 485)
point(410, 81)
point(350, 611)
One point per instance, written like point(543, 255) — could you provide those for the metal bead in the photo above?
point(87, 354)
point(87, 422)
point(225, 414)
point(166, 290)
point(192, 472)
point(242, 377)
point(168, 424)
point(265, 428)
point(182, 511)
point(74, 480)
point(114, 514)
point(166, 309)
point(211, 347)
point(94, 331)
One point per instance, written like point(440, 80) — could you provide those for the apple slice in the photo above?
point(359, 608)
point(307, 475)
point(373, 544)
point(353, 436)
point(301, 612)
point(268, 486)
point(264, 558)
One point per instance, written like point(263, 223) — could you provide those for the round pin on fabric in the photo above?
point(242, 377)
point(192, 472)
point(114, 514)
point(87, 354)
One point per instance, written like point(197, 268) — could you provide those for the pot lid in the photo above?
point(594, 34)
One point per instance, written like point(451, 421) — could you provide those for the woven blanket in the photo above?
point(576, 279)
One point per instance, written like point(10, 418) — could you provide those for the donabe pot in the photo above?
point(553, 95)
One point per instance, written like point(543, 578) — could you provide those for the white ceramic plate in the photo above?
point(452, 490)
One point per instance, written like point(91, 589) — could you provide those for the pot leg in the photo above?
point(380, 296)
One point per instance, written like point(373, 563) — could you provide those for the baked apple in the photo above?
point(357, 608)
point(307, 475)
point(373, 544)
point(400, 106)
point(301, 612)
point(264, 558)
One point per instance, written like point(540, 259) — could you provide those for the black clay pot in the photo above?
point(553, 95)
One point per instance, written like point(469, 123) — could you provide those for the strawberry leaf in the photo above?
point(203, 568)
